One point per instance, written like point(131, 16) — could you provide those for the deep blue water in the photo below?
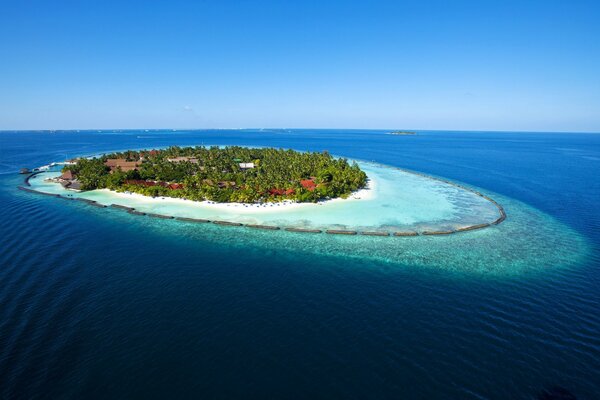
point(96, 304)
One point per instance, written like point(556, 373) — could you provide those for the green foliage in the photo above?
point(216, 175)
point(92, 173)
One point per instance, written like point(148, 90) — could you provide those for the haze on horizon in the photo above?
point(524, 66)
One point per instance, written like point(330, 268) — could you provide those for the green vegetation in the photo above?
point(216, 174)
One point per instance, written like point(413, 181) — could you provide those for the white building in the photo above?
point(247, 165)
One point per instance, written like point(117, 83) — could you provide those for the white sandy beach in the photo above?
point(367, 193)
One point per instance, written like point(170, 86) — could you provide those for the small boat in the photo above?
point(24, 171)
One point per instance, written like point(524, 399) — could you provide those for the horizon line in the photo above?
point(313, 129)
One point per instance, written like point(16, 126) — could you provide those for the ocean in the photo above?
point(97, 303)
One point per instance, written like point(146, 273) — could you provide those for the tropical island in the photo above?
point(230, 174)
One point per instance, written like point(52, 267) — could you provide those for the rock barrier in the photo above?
point(136, 212)
point(28, 177)
point(97, 205)
point(265, 227)
point(227, 223)
point(432, 233)
point(472, 227)
point(303, 230)
point(122, 207)
point(84, 200)
point(340, 232)
point(160, 216)
point(368, 233)
point(192, 219)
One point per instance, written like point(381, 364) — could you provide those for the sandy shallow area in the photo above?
point(394, 200)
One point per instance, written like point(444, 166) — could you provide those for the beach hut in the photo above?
point(68, 175)
point(122, 164)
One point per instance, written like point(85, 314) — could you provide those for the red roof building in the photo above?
point(122, 164)
point(308, 184)
point(281, 192)
point(67, 175)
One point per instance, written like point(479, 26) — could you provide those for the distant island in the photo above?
point(402, 133)
point(231, 174)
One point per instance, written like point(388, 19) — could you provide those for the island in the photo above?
point(402, 133)
point(230, 174)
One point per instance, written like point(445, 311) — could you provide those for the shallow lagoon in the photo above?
point(396, 200)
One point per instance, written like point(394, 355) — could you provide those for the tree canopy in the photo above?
point(215, 173)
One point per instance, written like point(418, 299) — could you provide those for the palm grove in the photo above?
point(229, 174)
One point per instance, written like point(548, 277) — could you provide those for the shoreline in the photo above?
point(242, 214)
point(366, 193)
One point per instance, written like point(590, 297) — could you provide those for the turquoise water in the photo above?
point(100, 303)
point(397, 200)
point(394, 201)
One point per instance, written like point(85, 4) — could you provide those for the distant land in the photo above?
point(402, 133)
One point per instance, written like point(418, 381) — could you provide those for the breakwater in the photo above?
point(501, 214)
point(28, 177)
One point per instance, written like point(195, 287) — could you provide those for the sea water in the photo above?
point(100, 303)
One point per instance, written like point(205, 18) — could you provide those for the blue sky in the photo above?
point(480, 65)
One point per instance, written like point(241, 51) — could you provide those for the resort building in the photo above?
point(183, 159)
point(68, 180)
point(245, 166)
point(281, 192)
point(67, 175)
point(122, 164)
point(308, 184)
